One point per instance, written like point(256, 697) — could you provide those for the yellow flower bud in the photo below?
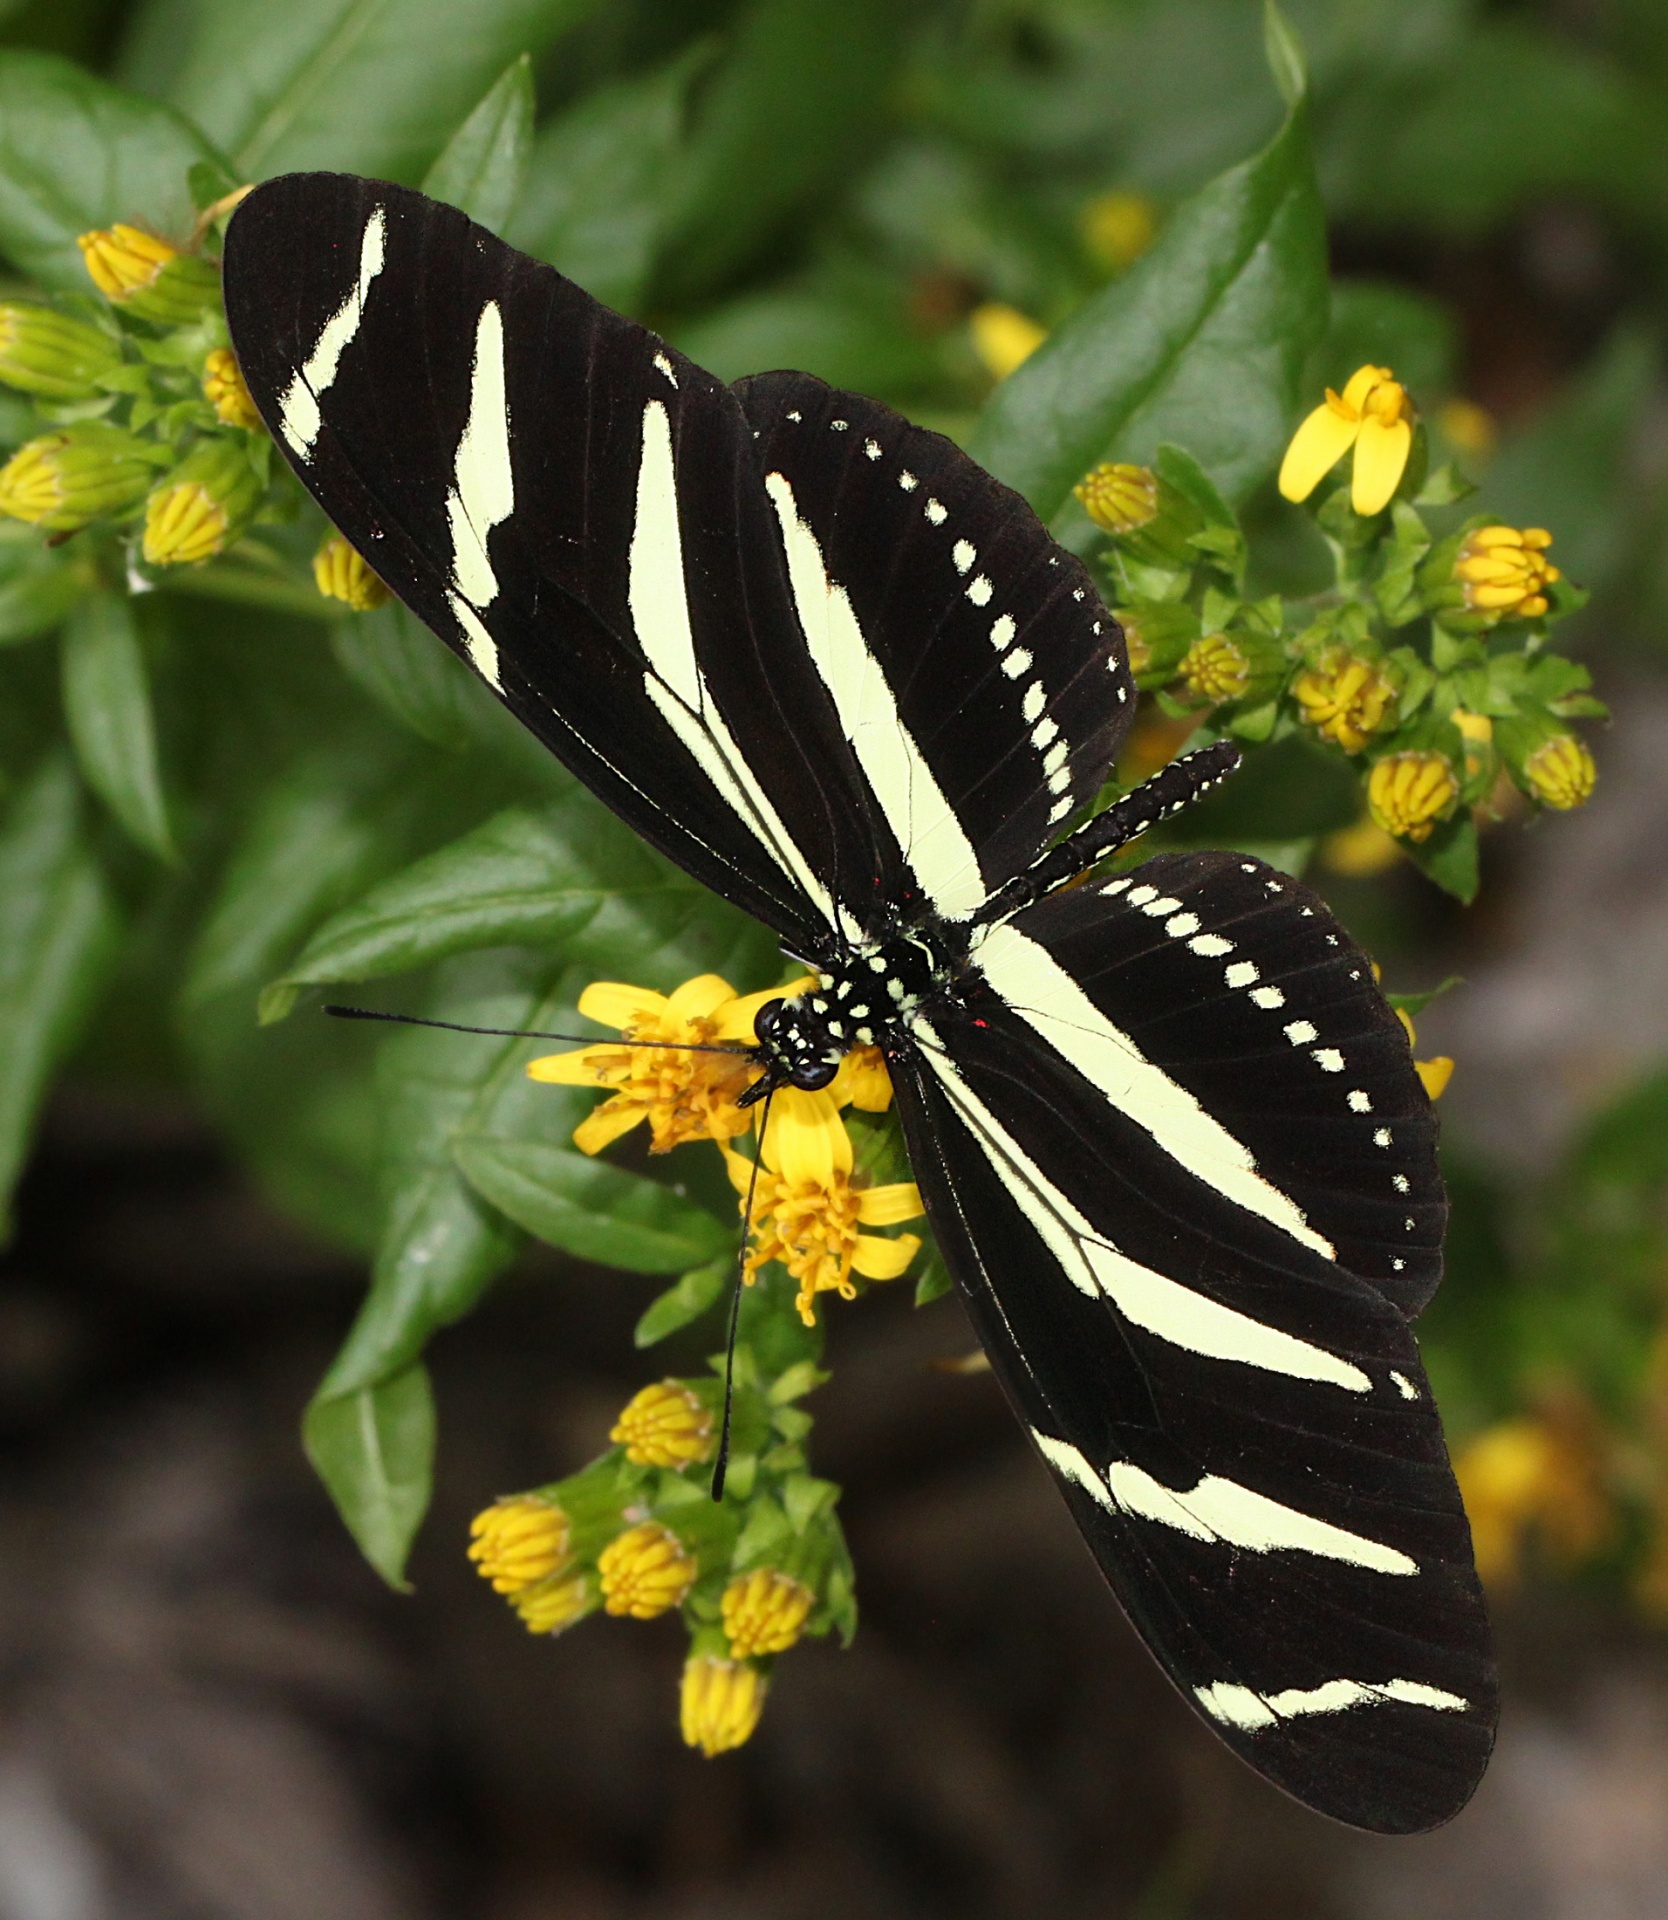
point(202, 507)
point(1118, 227)
point(645, 1571)
point(50, 354)
point(1003, 337)
point(65, 479)
point(341, 573)
point(518, 1542)
point(1503, 572)
point(1528, 1474)
point(225, 391)
point(1560, 772)
point(1216, 668)
point(765, 1612)
point(554, 1604)
point(1407, 793)
point(721, 1703)
point(136, 270)
point(1119, 498)
point(1344, 698)
point(1469, 427)
point(664, 1426)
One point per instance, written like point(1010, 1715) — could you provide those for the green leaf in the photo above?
point(393, 657)
point(590, 1209)
point(77, 153)
point(107, 702)
point(37, 586)
point(374, 1450)
point(693, 1295)
point(1284, 52)
point(1387, 325)
point(1449, 857)
point(60, 937)
point(567, 876)
point(792, 108)
point(598, 178)
point(933, 1280)
point(1201, 342)
point(364, 86)
point(482, 166)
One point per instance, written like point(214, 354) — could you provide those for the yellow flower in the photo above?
point(225, 391)
point(721, 1703)
point(1344, 698)
point(1504, 571)
point(63, 480)
point(862, 1080)
point(1003, 337)
point(645, 1571)
point(664, 1426)
point(764, 1612)
point(1407, 793)
point(1360, 852)
point(518, 1542)
point(341, 573)
point(1434, 1075)
point(1119, 498)
point(1371, 415)
point(50, 354)
point(1468, 427)
point(1118, 227)
point(1560, 772)
point(682, 1095)
point(1528, 1474)
point(1216, 668)
point(554, 1604)
point(806, 1212)
point(203, 506)
point(155, 280)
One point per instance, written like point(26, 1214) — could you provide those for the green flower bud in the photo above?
point(203, 506)
point(65, 479)
point(50, 354)
point(147, 276)
point(1148, 518)
point(1158, 634)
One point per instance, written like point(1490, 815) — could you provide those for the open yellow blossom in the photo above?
point(519, 1541)
point(1216, 668)
point(683, 1095)
point(765, 1612)
point(1532, 1474)
point(1560, 772)
point(340, 572)
point(1118, 497)
point(1344, 698)
point(646, 1571)
point(225, 391)
point(807, 1213)
point(1370, 415)
point(721, 1703)
point(1505, 571)
point(1407, 793)
point(1003, 337)
point(665, 1425)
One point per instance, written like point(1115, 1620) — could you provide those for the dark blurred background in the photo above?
point(210, 1708)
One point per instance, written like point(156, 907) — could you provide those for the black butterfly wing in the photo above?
point(575, 509)
point(1238, 1419)
point(982, 683)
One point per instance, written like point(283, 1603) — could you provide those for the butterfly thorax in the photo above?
point(861, 1000)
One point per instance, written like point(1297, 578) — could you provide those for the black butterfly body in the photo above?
point(1168, 1132)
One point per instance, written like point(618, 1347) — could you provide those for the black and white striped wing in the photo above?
point(575, 508)
point(1192, 1279)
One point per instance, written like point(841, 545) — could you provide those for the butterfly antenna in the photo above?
point(721, 1465)
point(522, 1033)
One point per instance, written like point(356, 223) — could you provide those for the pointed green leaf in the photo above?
point(77, 153)
point(1201, 342)
point(37, 586)
point(481, 167)
point(1449, 857)
point(588, 1208)
point(693, 1295)
point(1284, 52)
point(394, 658)
point(59, 942)
point(374, 1450)
point(107, 703)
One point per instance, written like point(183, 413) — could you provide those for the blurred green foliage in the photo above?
point(223, 790)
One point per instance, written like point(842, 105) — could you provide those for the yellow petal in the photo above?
point(698, 998)
point(1360, 384)
point(886, 1206)
point(1435, 1074)
point(735, 1022)
point(738, 1167)
point(1317, 446)
point(863, 1081)
point(604, 1127)
point(617, 1005)
point(567, 1069)
point(879, 1259)
point(1380, 458)
point(807, 1142)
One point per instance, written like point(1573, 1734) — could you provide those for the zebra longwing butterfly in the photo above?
point(1169, 1133)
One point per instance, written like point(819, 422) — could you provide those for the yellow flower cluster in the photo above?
point(1119, 498)
point(340, 572)
point(1505, 572)
point(1408, 793)
point(664, 1426)
point(520, 1546)
point(1344, 698)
